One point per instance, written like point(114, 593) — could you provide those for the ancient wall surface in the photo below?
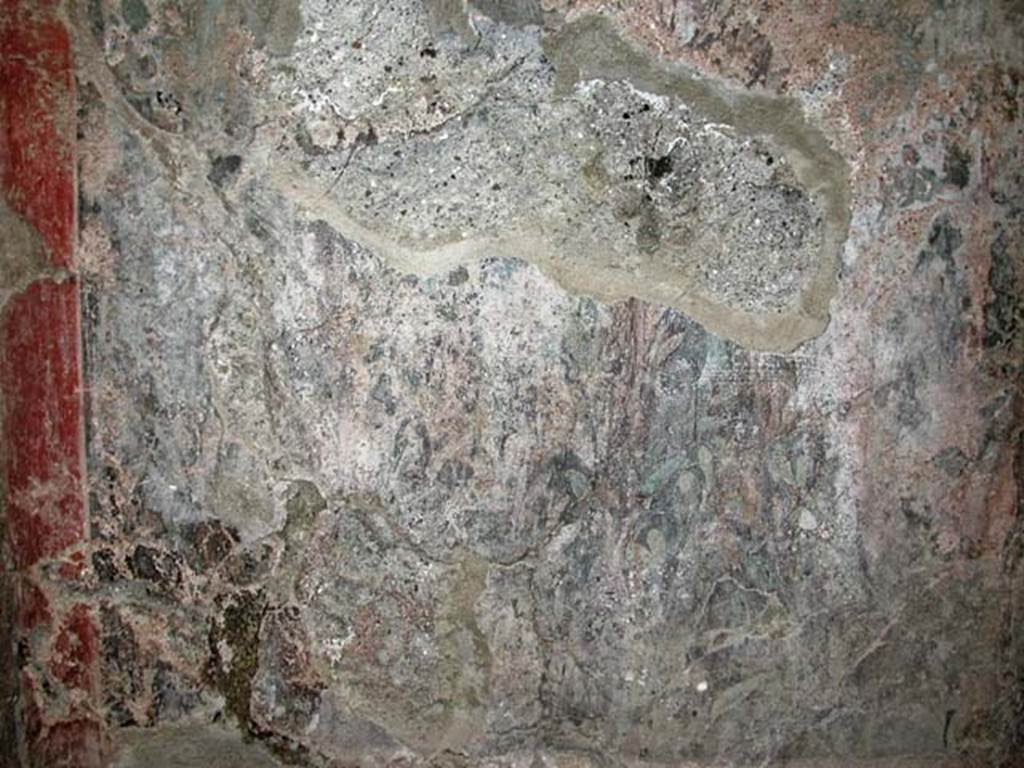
point(512, 383)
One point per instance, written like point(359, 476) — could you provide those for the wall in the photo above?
point(525, 383)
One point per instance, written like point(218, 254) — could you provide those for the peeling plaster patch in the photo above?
point(23, 257)
point(652, 182)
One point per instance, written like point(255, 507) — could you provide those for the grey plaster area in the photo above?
point(618, 175)
point(189, 745)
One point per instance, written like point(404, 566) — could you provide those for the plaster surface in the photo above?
point(546, 383)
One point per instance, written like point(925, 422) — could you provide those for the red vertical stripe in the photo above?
point(41, 386)
point(40, 377)
point(37, 172)
point(42, 420)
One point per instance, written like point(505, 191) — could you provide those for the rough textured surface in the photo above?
point(617, 174)
point(544, 383)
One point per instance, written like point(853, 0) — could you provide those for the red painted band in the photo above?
point(41, 453)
